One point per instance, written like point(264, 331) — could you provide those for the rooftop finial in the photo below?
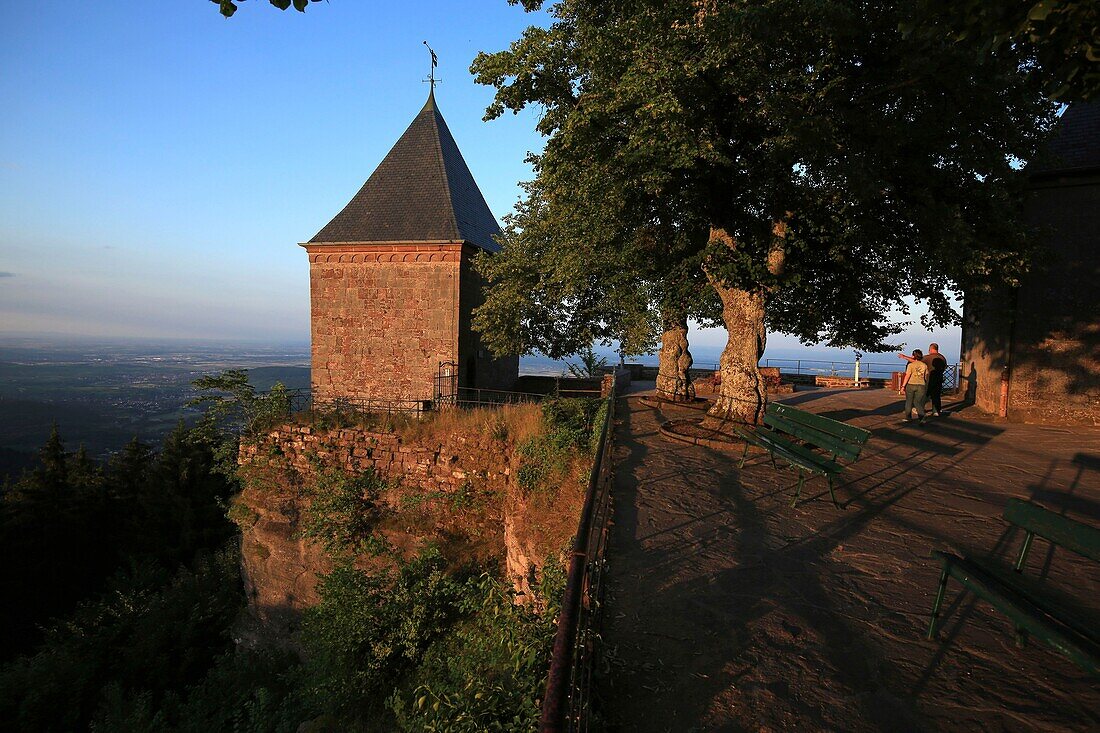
point(431, 73)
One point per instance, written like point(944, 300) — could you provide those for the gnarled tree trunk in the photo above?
point(742, 395)
point(673, 380)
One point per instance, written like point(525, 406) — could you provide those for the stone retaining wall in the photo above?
point(281, 568)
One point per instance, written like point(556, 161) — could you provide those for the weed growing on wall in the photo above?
point(343, 511)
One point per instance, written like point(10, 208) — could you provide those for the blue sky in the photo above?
point(159, 163)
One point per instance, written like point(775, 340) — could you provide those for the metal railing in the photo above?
point(566, 706)
point(866, 369)
point(477, 397)
point(815, 367)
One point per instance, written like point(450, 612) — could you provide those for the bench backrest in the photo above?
point(1068, 533)
point(836, 437)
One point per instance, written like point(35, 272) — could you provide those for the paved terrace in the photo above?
point(728, 610)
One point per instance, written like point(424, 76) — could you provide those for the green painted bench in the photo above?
point(796, 436)
point(1077, 640)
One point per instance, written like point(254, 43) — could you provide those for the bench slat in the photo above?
point(1064, 635)
point(844, 431)
point(815, 437)
point(796, 454)
point(1070, 534)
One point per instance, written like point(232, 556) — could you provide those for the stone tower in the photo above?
point(392, 288)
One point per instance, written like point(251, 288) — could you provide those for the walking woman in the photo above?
point(915, 386)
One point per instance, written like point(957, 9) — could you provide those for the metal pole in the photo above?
point(856, 385)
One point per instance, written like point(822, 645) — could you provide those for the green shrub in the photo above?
point(545, 459)
point(486, 673)
point(369, 630)
point(343, 511)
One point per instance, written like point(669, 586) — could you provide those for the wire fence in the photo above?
point(567, 704)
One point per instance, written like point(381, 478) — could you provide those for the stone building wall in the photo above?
point(1049, 330)
point(383, 318)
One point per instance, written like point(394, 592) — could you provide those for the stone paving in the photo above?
point(728, 610)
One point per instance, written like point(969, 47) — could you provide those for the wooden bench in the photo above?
point(794, 435)
point(1077, 640)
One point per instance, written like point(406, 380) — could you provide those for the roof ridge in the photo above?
point(438, 117)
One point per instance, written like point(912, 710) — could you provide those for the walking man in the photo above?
point(915, 385)
point(937, 365)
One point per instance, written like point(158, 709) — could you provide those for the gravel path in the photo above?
point(727, 610)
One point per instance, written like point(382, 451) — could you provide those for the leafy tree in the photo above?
point(573, 270)
point(228, 7)
point(839, 166)
point(591, 365)
point(52, 471)
point(1061, 37)
point(149, 633)
point(232, 406)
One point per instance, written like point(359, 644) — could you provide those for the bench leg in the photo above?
point(937, 604)
point(1023, 551)
point(832, 494)
point(771, 454)
point(1021, 637)
point(744, 455)
point(798, 492)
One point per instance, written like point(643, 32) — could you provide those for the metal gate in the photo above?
point(445, 393)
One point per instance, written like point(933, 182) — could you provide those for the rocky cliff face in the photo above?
point(454, 488)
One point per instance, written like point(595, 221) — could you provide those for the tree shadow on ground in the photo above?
point(1064, 500)
point(741, 595)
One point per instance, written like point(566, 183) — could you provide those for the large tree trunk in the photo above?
point(742, 396)
point(673, 380)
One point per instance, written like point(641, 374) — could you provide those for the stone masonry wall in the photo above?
point(1051, 325)
point(281, 568)
point(383, 317)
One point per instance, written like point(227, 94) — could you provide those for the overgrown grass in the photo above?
point(553, 456)
point(515, 422)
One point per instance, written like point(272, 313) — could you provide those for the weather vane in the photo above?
point(435, 62)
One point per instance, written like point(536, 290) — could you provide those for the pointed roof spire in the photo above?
point(422, 191)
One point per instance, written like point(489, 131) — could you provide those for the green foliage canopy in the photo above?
point(888, 157)
point(1061, 37)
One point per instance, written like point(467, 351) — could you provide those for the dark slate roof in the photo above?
point(1074, 144)
point(421, 192)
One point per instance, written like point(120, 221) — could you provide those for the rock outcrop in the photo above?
point(457, 490)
